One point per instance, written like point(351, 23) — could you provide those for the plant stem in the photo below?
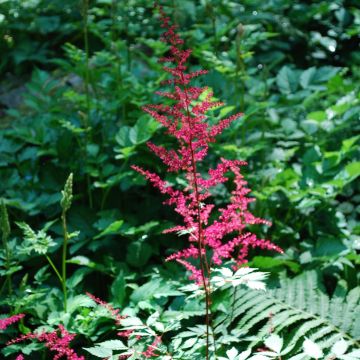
point(127, 39)
point(174, 12)
point(5, 229)
point(54, 268)
point(7, 254)
point(87, 73)
point(63, 260)
point(87, 92)
point(205, 270)
point(212, 14)
point(233, 304)
point(240, 74)
point(3, 286)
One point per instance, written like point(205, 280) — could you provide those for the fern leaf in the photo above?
point(296, 310)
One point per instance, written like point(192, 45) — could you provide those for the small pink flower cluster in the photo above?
point(107, 306)
point(150, 351)
point(4, 323)
point(54, 342)
point(210, 241)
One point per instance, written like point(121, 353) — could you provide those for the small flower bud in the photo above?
point(67, 194)
point(240, 30)
point(4, 220)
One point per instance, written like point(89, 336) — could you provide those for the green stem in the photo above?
point(240, 75)
point(87, 73)
point(205, 269)
point(174, 12)
point(54, 268)
point(63, 260)
point(127, 42)
point(213, 21)
point(88, 185)
point(7, 254)
point(118, 71)
point(87, 93)
point(105, 196)
point(212, 14)
point(3, 286)
point(233, 304)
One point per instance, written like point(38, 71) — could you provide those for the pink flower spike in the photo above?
point(107, 306)
point(4, 323)
point(150, 351)
point(213, 234)
point(57, 341)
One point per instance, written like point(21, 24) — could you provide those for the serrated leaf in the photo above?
point(78, 301)
point(112, 345)
point(287, 80)
point(274, 342)
point(138, 253)
point(118, 288)
point(112, 229)
point(232, 353)
point(312, 349)
point(244, 355)
point(340, 347)
point(99, 351)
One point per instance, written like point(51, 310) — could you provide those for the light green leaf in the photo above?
point(99, 351)
point(274, 342)
point(113, 345)
point(340, 347)
point(287, 80)
point(312, 349)
point(112, 229)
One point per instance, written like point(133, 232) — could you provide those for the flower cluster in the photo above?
point(150, 351)
point(57, 341)
point(210, 241)
point(107, 306)
point(4, 323)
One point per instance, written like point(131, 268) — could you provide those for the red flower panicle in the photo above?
point(4, 323)
point(57, 341)
point(107, 306)
point(150, 351)
point(209, 241)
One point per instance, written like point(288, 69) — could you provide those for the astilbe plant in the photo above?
point(108, 307)
point(210, 242)
point(4, 323)
point(57, 341)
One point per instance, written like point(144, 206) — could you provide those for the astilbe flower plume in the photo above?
point(114, 312)
point(150, 350)
point(213, 241)
point(57, 341)
point(4, 323)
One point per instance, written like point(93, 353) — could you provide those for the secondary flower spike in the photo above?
point(4, 323)
point(210, 241)
point(57, 341)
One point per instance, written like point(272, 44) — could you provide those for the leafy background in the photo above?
point(74, 78)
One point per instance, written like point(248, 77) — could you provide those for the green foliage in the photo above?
point(39, 242)
point(297, 309)
point(67, 107)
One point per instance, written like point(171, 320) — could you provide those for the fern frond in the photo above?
point(297, 309)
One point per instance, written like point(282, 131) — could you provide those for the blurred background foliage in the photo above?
point(74, 75)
